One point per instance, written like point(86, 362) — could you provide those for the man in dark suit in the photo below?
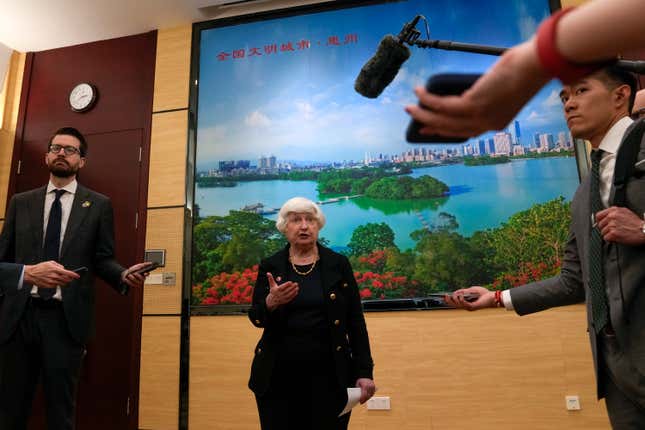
point(603, 263)
point(46, 320)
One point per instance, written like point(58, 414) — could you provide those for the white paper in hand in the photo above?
point(353, 397)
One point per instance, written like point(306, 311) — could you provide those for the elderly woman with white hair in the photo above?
point(315, 343)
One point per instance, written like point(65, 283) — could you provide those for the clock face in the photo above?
point(82, 97)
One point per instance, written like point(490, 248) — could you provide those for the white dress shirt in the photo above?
point(609, 144)
point(66, 201)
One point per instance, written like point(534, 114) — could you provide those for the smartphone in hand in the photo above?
point(471, 297)
point(442, 85)
point(147, 269)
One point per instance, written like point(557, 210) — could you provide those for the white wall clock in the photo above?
point(83, 97)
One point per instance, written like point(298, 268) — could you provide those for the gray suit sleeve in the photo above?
point(564, 289)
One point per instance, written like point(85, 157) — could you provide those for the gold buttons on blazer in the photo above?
point(259, 350)
point(338, 348)
point(336, 322)
point(257, 321)
point(332, 296)
point(345, 285)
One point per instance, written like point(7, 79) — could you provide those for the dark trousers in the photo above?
point(41, 348)
point(625, 412)
point(304, 395)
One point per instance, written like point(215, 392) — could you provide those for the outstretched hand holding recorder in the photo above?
point(441, 85)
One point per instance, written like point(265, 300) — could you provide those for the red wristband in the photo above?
point(498, 298)
point(552, 60)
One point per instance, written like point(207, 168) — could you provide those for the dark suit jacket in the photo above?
point(9, 277)
point(88, 241)
point(350, 342)
point(624, 267)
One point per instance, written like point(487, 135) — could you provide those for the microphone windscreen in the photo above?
point(382, 68)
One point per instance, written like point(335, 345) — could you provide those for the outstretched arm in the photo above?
point(595, 32)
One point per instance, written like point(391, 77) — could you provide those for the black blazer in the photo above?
point(88, 241)
point(349, 340)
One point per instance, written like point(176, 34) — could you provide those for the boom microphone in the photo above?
point(392, 52)
point(382, 68)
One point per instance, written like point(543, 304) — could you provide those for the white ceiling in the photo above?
point(36, 25)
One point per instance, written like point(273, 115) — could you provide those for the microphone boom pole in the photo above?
point(634, 66)
point(458, 46)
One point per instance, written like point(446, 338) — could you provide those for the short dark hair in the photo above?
point(613, 76)
point(70, 131)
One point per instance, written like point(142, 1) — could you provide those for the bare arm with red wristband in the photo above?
point(568, 45)
point(463, 298)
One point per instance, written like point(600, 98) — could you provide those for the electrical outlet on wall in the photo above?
point(573, 403)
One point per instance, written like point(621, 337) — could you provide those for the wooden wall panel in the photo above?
point(6, 152)
point(11, 91)
point(8, 119)
point(172, 74)
point(159, 405)
point(165, 230)
point(221, 349)
point(159, 393)
point(167, 186)
point(434, 365)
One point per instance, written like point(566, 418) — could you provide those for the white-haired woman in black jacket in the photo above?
point(315, 343)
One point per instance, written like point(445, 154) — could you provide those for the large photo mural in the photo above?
point(278, 117)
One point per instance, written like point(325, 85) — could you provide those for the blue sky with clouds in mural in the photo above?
point(284, 86)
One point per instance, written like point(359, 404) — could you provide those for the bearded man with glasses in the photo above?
point(46, 322)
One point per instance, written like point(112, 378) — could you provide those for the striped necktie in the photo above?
point(599, 305)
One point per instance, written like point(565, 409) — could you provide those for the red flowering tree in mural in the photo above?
point(227, 288)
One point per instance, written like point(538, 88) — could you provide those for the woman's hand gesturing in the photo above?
point(280, 294)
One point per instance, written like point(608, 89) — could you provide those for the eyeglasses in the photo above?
point(638, 113)
point(68, 150)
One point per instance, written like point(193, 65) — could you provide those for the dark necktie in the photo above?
point(599, 306)
point(51, 248)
